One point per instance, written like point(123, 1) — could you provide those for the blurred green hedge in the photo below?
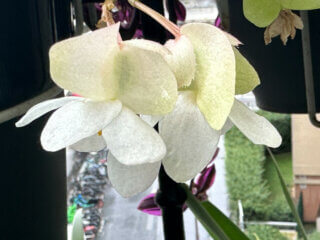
point(314, 236)
point(264, 232)
point(244, 173)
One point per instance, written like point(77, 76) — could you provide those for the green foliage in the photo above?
point(71, 212)
point(264, 12)
point(244, 167)
point(246, 170)
point(280, 209)
point(300, 206)
point(213, 220)
point(287, 196)
point(314, 236)
point(264, 232)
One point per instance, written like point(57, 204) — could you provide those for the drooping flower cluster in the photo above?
point(187, 85)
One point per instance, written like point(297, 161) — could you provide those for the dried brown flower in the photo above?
point(285, 25)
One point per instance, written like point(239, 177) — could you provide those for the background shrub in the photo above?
point(264, 232)
point(314, 236)
point(244, 174)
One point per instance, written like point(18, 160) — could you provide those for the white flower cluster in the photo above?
point(126, 87)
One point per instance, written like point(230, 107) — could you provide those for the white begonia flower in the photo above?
point(191, 140)
point(204, 63)
point(200, 58)
point(187, 156)
point(117, 81)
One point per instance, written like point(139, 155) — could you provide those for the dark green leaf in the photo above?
point(231, 230)
point(288, 197)
point(204, 217)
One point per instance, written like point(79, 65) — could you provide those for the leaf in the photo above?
point(246, 76)
point(77, 227)
point(300, 4)
point(204, 217)
point(261, 12)
point(225, 223)
point(288, 197)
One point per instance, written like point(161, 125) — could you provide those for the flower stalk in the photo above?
point(170, 26)
point(171, 197)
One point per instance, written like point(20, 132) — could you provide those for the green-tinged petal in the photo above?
point(93, 143)
point(44, 107)
point(131, 180)
point(178, 54)
point(147, 45)
point(246, 76)
point(261, 12)
point(258, 129)
point(215, 73)
point(132, 141)
point(75, 121)
point(190, 141)
point(146, 83)
point(84, 64)
point(300, 4)
point(233, 40)
point(182, 61)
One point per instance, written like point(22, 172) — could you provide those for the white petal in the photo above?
point(131, 180)
point(93, 143)
point(77, 120)
point(44, 107)
point(226, 127)
point(151, 119)
point(258, 129)
point(190, 141)
point(132, 141)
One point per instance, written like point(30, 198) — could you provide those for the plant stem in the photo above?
point(171, 197)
